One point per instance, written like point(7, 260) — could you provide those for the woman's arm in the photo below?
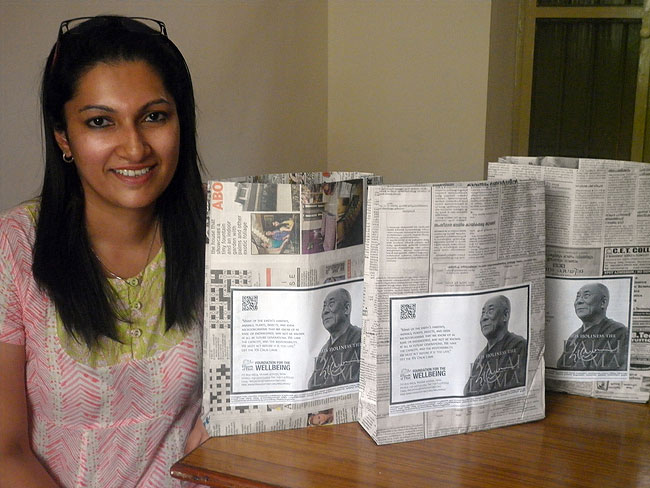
point(197, 436)
point(18, 464)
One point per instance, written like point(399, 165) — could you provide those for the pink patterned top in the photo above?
point(115, 420)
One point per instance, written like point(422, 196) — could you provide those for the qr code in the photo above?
point(407, 311)
point(249, 303)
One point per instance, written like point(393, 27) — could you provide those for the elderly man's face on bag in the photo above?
point(494, 317)
point(336, 310)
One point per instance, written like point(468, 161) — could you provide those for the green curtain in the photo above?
point(584, 86)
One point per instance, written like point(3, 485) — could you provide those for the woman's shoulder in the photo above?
point(27, 210)
point(20, 219)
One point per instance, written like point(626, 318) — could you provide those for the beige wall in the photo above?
point(259, 70)
point(407, 88)
point(501, 79)
point(397, 87)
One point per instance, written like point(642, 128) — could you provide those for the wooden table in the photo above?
point(583, 442)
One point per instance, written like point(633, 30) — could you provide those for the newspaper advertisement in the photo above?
point(273, 328)
point(598, 273)
point(283, 297)
point(453, 312)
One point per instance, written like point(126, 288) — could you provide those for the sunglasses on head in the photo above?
point(157, 26)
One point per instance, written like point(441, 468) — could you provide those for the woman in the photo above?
point(101, 278)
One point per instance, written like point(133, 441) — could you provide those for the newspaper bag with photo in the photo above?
point(283, 297)
point(453, 326)
point(597, 273)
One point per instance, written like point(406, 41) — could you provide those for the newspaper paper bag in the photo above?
point(453, 329)
point(598, 273)
point(284, 261)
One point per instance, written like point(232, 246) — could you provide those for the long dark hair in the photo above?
point(64, 263)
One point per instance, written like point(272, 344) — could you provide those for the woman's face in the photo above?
point(124, 134)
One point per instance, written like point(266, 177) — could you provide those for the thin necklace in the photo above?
point(141, 273)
